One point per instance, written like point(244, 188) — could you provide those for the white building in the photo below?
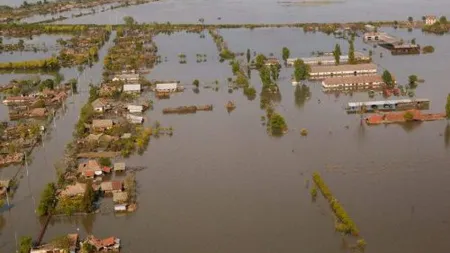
point(430, 20)
point(166, 87)
point(132, 88)
point(135, 108)
point(126, 78)
point(135, 119)
point(353, 82)
point(342, 70)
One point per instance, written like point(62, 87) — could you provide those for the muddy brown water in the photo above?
point(221, 184)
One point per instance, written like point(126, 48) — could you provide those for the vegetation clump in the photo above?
point(344, 223)
point(428, 49)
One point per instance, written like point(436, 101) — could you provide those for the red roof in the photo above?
point(108, 241)
point(106, 169)
point(116, 185)
point(88, 173)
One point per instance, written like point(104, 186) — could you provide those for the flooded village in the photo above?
point(209, 136)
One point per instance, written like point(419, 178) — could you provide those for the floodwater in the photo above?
point(221, 184)
point(270, 11)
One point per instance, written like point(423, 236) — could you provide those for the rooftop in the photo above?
point(345, 67)
point(352, 79)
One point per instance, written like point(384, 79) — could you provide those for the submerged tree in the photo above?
point(447, 107)
point(387, 78)
point(248, 55)
point(301, 70)
point(129, 21)
point(277, 124)
point(25, 244)
point(337, 54)
point(351, 53)
point(285, 53)
point(88, 198)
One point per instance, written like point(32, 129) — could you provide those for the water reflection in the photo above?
point(302, 94)
point(447, 135)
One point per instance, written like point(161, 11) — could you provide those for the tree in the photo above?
point(129, 21)
point(443, 20)
point(301, 70)
point(337, 54)
point(413, 79)
point(104, 161)
point(260, 60)
point(25, 244)
point(408, 116)
point(285, 53)
point(275, 71)
point(47, 83)
point(235, 67)
point(196, 83)
point(277, 124)
point(88, 198)
point(413, 41)
point(428, 49)
point(447, 107)
point(387, 78)
point(248, 55)
point(59, 78)
point(351, 53)
point(410, 19)
point(48, 199)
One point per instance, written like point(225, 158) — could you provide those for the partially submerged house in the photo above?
point(353, 82)
point(119, 167)
point(108, 244)
point(430, 20)
point(19, 100)
point(342, 70)
point(90, 169)
point(102, 124)
point(328, 59)
point(101, 105)
point(74, 190)
point(271, 62)
point(166, 87)
point(135, 108)
point(135, 119)
point(126, 78)
point(111, 186)
point(120, 197)
point(132, 88)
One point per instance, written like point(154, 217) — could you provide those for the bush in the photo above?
point(345, 224)
point(428, 49)
point(105, 161)
point(48, 200)
point(277, 124)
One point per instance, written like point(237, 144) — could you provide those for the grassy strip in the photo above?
point(345, 224)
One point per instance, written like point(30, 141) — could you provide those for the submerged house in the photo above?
point(342, 70)
point(430, 20)
point(353, 82)
point(90, 169)
point(166, 87)
point(135, 108)
point(135, 119)
point(101, 105)
point(111, 186)
point(102, 124)
point(74, 190)
point(132, 88)
point(126, 78)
